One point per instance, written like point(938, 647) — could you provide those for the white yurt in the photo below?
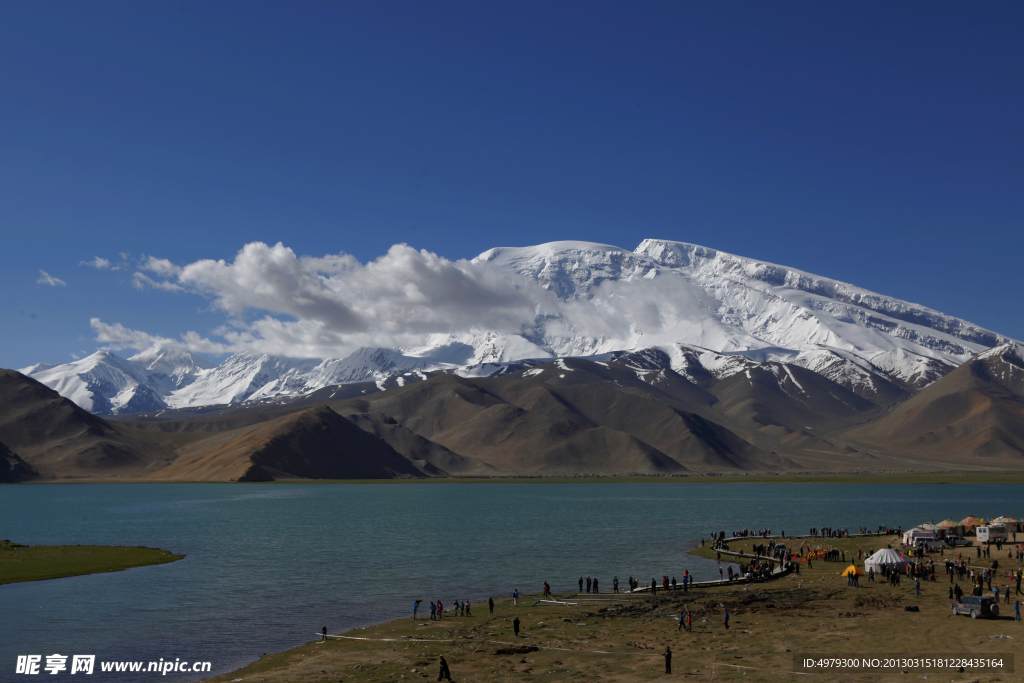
point(886, 557)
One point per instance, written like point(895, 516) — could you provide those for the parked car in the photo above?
point(977, 606)
point(931, 544)
point(954, 541)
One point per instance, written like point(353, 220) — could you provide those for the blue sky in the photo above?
point(879, 144)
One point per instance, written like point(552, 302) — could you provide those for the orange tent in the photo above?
point(854, 570)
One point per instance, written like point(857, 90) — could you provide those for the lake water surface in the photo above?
point(268, 564)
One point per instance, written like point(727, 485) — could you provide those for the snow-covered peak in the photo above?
point(723, 265)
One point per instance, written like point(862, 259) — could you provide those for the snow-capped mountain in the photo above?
point(709, 313)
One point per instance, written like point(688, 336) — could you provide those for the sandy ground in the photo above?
point(623, 639)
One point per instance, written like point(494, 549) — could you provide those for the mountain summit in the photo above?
point(704, 311)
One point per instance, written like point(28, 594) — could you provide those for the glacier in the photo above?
point(708, 314)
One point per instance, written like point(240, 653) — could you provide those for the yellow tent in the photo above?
point(854, 570)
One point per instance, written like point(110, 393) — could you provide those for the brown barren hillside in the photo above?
point(56, 439)
point(467, 419)
point(316, 443)
point(973, 415)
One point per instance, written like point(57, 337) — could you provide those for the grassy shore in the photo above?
point(813, 613)
point(35, 563)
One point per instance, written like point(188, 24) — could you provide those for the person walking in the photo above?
point(917, 587)
point(727, 618)
point(515, 627)
point(668, 660)
point(323, 631)
point(443, 672)
point(415, 608)
point(433, 611)
point(682, 620)
point(1016, 610)
point(515, 597)
point(466, 606)
point(547, 590)
point(490, 606)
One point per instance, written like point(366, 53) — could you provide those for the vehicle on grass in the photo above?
point(976, 606)
point(931, 544)
point(954, 541)
point(992, 533)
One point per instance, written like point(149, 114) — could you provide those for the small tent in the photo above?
point(971, 522)
point(1010, 523)
point(852, 569)
point(886, 557)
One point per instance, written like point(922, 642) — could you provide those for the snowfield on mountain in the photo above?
point(706, 312)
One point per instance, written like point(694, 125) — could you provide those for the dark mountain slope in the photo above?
point(316, 443)
point(57, 439)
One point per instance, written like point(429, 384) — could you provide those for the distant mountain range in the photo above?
point(698, 306)
point(724, 364)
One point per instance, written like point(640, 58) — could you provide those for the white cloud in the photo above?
point(117, 336)
point(47, 279)
point(140, 282)
point(98, 263)
point(161, 266)
point(281, 303)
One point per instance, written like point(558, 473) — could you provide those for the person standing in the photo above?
point(668, 660)
point(727, 618)
point(581, 584)
point(443, 672)
point(515, 627)
point(654, 586)
point(588, 584)
point(615, 585)
point(682, 620)
point(440, 610)
point(595, 585)
point(490, 606)
point(466, 607)
point(917, 587)
point(515, 597)
point(433, 611)
point(1016, 610)
point(415, 608)
point(323, 631)
point(547, 590)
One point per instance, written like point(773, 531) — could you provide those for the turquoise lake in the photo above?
point(268, 564)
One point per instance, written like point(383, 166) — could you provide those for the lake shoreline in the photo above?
point(951, 477)
point(622, 638)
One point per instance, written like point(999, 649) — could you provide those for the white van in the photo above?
point(993, 533)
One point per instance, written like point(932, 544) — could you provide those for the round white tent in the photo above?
point(886, 557)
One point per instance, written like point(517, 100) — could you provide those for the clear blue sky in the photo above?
point(877, 143)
